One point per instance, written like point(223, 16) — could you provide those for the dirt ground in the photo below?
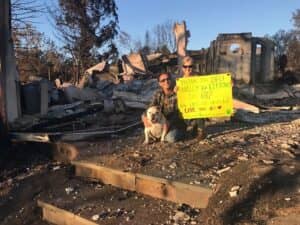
point(261, 162)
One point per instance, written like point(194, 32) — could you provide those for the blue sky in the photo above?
point(204, 18)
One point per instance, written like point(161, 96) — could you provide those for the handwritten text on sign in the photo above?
point(205, 96)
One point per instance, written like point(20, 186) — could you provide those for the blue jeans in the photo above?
point(174, 135)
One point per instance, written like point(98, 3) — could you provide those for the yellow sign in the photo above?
point(205, 96)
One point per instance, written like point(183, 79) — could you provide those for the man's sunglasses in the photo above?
point(164, 80)
point(187, 66)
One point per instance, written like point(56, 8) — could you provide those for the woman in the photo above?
point(194, 126)
point(187, 66)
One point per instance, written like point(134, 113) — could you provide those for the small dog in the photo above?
point(158, 128)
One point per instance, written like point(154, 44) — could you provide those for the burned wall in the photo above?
point(262, 60)
point(249, 59)
point(231, 53)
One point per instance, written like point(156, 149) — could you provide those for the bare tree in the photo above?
point(126, 42)
point(296, 19)
point(148, 46)
point(293, 55)
point(28, 51)
point(27, 40)
point(281, 39)
point(24, 13)
point(294, 44)
point(287, 45)
point(163, 36)
point(160, 39)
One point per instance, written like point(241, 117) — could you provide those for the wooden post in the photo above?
point(253, 80)
point(4, 16)
point(44, 97)
point(50, 66)
point(49, 73)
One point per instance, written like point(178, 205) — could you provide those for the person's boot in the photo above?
point(192, 130)
point(201, 134)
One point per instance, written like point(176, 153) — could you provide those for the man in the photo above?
point(194, 126)
point(166, 99)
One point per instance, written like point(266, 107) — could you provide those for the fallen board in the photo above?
point(59, 216)
point(193, 195)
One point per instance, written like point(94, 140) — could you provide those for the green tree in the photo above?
point(87, 28)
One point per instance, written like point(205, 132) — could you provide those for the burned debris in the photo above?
point(129, 84)
point(245, 171)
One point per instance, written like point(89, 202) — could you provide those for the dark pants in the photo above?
point(175, 135)
point(195, 123)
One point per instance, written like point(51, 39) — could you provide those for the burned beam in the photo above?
point(70, 136)
point(237, 104)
